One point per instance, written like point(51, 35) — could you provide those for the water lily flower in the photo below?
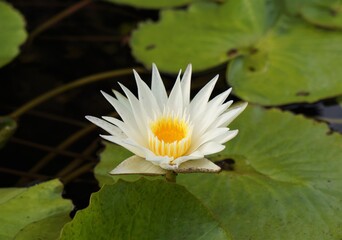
point(169, 132)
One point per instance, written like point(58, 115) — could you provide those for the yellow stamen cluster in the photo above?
point(170, 136)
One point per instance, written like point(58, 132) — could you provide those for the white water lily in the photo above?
point(169, 132)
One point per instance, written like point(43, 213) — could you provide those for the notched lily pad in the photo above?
point(281, 179)
point(296, 62)
point(323, 13)
point(206, 34)
point(144, 210)
point(277, 58)
point(27, 213)
point(13, 34)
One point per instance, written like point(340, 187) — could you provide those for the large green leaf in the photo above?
point(324, 13)
point(283, 179)
point(305, 66)
point(295, 62)
point(13, 34)
point(206, 34)
point(144, 210)
point(46, 229)
point(7, 129)
point(277, 59)
point(110, 157)
point(27, 213)
point(153, 3)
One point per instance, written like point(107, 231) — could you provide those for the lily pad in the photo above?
point(283, 179)
point(295, 62)
point(13, 34)
point(144, 210)
point(277, 59)
point(7, 129)
point(153, 4)
point(25, 210)
point(206, 34)
point(110, 157)
point(322, 13)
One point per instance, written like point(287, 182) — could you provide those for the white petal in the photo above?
point(226, 118)
point(134, 148)
point(158, 88)
point(139, 114)
point(137, 165)
point(121, 98)
point(185, 85)
point(122, 110)
point(130, 132)
point(110, 128)
point(193, 156)
point(146, 97)
point(197, 105)
point(158, 160)
point(210, 148)
point(213, 110)
point(226, 137)
point(175, 101)
point(208, 136)
point(200, 165)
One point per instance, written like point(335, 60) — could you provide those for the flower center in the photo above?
point(170, 136)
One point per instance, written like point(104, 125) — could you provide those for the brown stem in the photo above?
point(58, 17)
point(170, 176)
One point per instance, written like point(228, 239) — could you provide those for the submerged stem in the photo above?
point(77, 83)
point(170, 176)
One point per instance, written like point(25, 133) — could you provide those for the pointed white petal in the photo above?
point(208, 136)
point(210, 148)
point(185, 85)
point(226, 118)
point(134, 148)
point(122, 110)
point(130, 132)
point(193, 156)
point(226, 137)
point(110, 128)
point(175, 101)
point(121, 98)
point(158, 88)
point(146, 97)
point(158, 160)
point(139, 114)
point(197, 105)
point(197, 166)
point(212, 112)
point(137, 165)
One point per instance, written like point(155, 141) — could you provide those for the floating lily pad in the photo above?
point(46, 229)
point(13, 34)
point(295, 62)
point(7, 129)
point(277, 59)
point(26, 210)
point(153, 4)
point(144, 210)
point(205, 34)
point(283, 179)
point(111, 157)
point(319, 12)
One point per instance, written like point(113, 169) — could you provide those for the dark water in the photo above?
point(92, 40)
